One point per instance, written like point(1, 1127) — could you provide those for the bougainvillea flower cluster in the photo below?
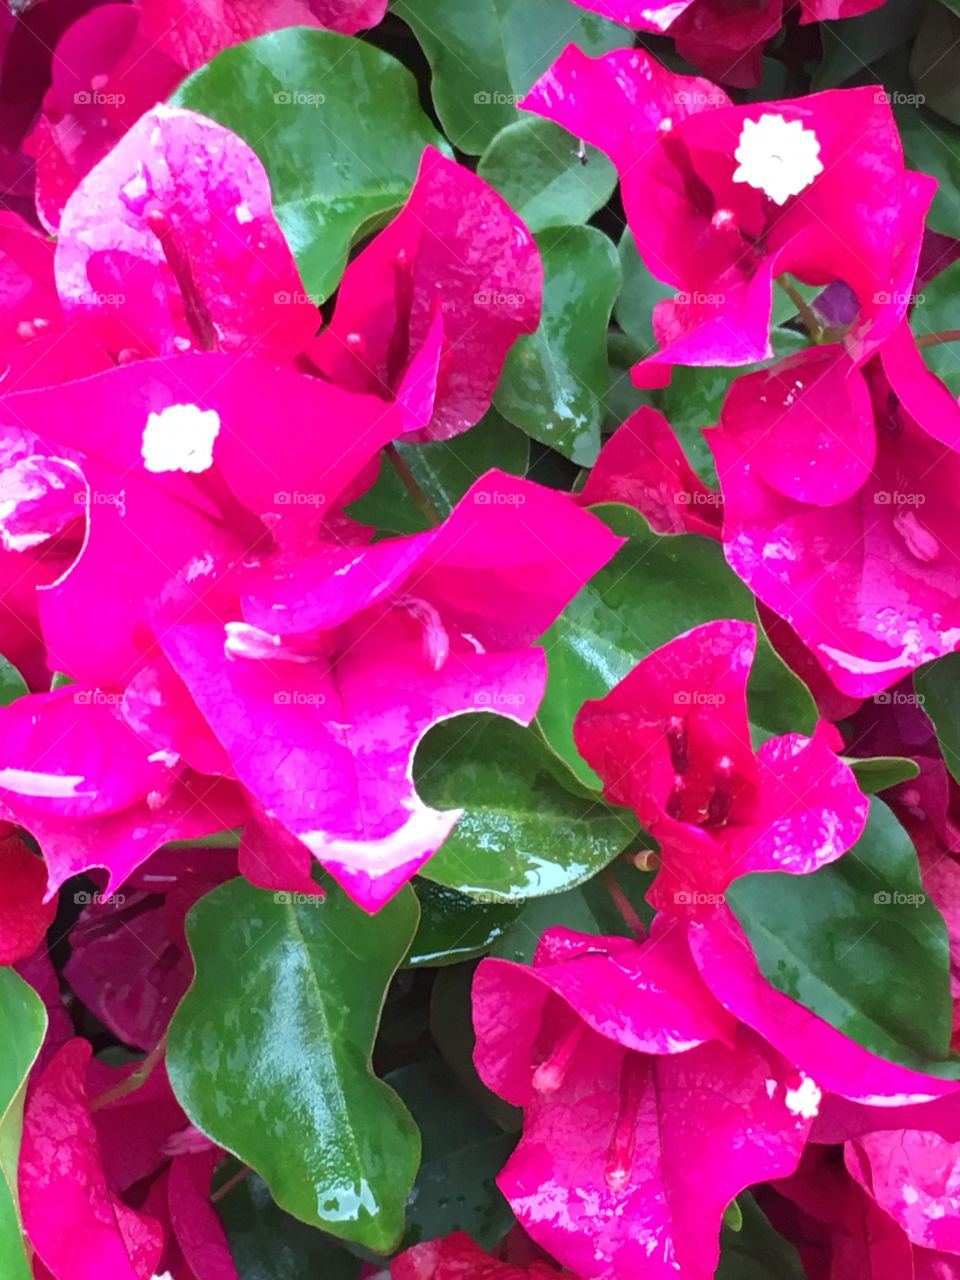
point(437, 841)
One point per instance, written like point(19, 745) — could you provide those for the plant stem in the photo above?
point(134, 1080)
point(937, 339)
point(813, 326)
point(622, 903)
point(423, 503)
point(231, 1182)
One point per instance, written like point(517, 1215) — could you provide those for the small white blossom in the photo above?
point(778, 157)
point(180, 438)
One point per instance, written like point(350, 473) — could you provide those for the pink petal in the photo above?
point(24, 916)
point(456, 250)
point(170, 243)
point(457, 1257)
point(195, 1221)
point(643, 465)
point(79, 1230)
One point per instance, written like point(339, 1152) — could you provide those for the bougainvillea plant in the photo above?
point(479, 640)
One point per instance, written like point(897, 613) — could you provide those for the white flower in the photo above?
point(777, 157)
point(180, 438)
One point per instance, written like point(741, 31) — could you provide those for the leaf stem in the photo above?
point(622, 903)
point(132, 1082)
point(231, 1182)
point(937, 339)
point(422, 502)
point(813, 325)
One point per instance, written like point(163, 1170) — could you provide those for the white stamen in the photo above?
point(778, 157)
point(804, 1100)
point(180, 438)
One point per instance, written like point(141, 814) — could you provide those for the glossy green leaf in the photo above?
point(933, 62)
point(851, 44)
point(463, 1151)
point(12, 683)
point(536, 167)
point(267, 1244)
point(840, 941)
point(523, 833)
point(938, 684)
point(451, 1027)
point(555, 380)
point(933, 146)
point(269, 1052)
point(655, 588)
point(936, 309)
point(23, 1024)
point(754, 1251)
point(486, 54)
point(453, 927)
point(339, 127)
point(639, 294)
point(879, 772)
point(444, 470)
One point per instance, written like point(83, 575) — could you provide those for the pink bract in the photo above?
point(672, 742)
point(170, 244)
point(428, 311)
point(609, 1181)
point(321, 689)
point(848, 537)
point(712, 230)
point(456, 1257)
point(643, 465)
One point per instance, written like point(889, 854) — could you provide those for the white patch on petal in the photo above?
point(804, 1101)
point(180, 438)
point(778, 157)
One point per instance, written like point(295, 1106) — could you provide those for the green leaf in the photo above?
point(879, 772)
point(640, 293)
point(938, 308)
point(523, 834)
point(933, 62)
point(535, 166)
point(12, 683)
point(486, 54)
point(754, 1251)
point(938, 685)
point(555, 380)
point(933, 146)
point(654, 588)
point(267, 1244)
point(338, 126)
point(444, 470)
point(463, 1151)
point(453, 927)
point(23, 1024)
point(841, 940)
point(851, 44)
point(733, 1216)
point(269, 1052)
